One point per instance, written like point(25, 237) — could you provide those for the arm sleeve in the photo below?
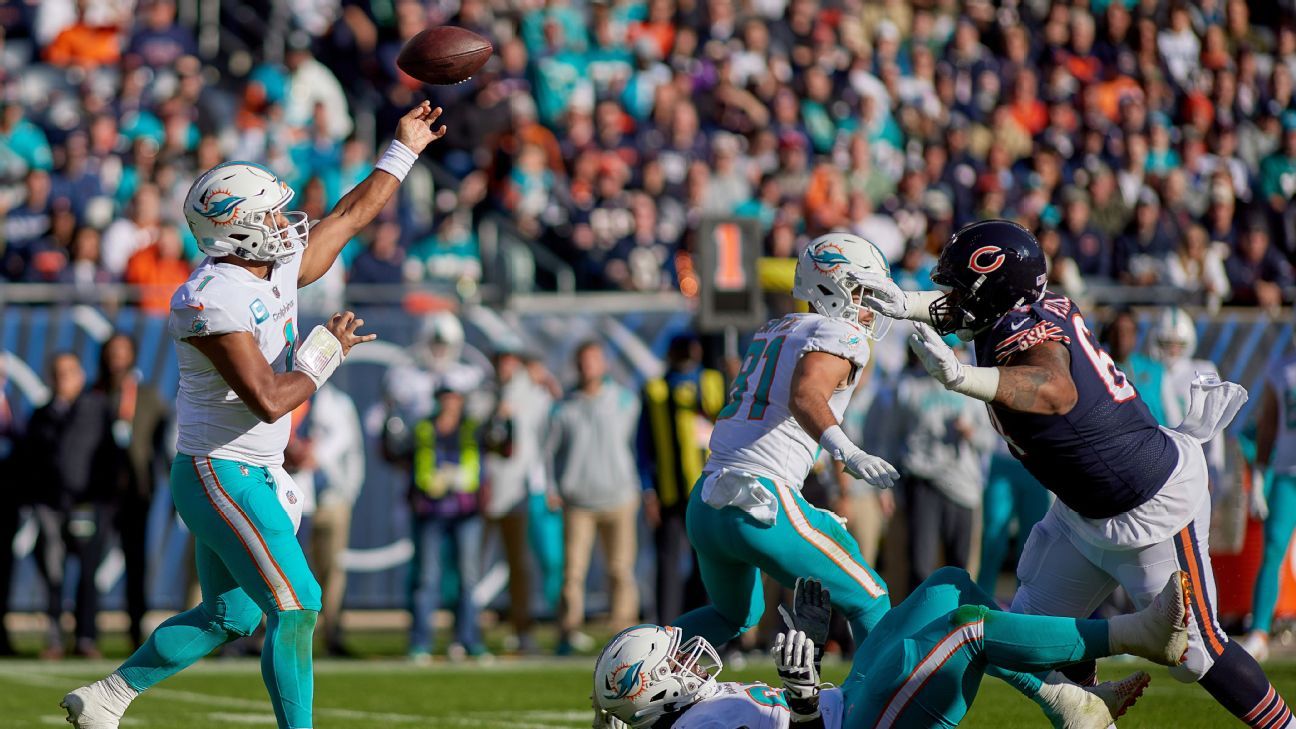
point(841, 338)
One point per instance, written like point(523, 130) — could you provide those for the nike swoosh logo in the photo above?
point(199, 307)
point(1018, 325)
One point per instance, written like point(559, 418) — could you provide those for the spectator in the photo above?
point(84, 270)
point(158, 270)
point(1278, 177)
point(26, 224)
point(446, 476)
point(514, 436)
point(127, 462)
point(313, 89)
point(94, 40)
point(383, 262)
point(160, 42)
point(1197, 268)
point(1141, 254)
point(592, 441)
point(1256, 272)
point(1081, 241)
point(71, 508)
point(946, 440)
point(140, 229)
point(677, 409)
point(23, 145)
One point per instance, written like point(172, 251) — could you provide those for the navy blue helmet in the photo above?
point(991, 267)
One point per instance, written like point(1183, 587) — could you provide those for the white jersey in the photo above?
point(1282, 378)
point(753, 706)
point(756, 432)
point(220, 298)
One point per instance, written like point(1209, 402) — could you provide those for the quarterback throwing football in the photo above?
point(243, 368)
point(1132, 501)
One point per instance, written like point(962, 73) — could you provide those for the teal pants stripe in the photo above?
point(922, 664)
point(1011, 493)
point(733, 549)
point(249, 563)
point(1278, 530)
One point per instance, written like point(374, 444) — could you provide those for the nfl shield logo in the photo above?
point(292, 497)
point(275, 290)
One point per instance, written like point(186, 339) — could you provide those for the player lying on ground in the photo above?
point(920, 667)
point(1132, 497)
point(242, 372)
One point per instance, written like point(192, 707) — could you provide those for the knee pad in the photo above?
point(309, 594)
point(965, 614)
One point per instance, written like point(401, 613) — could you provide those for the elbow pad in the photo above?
point(319, 355)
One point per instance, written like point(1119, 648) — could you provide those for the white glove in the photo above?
point(873, 470)
point(1259, 504)
point(936, 356)
point(794, 659)
point(886, 298)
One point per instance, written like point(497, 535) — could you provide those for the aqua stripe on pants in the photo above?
point(733, 549)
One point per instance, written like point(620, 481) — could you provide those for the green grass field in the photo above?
point(524, 694)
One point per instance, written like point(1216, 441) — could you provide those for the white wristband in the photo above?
point(918, 305)
point(398, 160)
point(979, 382)
point(319, 355)
point(835, 442)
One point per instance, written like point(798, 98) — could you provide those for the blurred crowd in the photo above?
point(1149, 142)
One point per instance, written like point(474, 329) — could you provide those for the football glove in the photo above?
point(885, 297)
point(873, 470)
point(936, 356)
point(811, 611)
point(794, 660)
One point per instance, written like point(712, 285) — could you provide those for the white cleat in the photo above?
point(1257, 644)
point(1158, 632)
point(1070, 706)
point(89, 708)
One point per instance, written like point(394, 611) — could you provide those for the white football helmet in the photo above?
point(440, 340)
point(644, 673)
point(1174, 337)
point(827, 277)
point(230, 211)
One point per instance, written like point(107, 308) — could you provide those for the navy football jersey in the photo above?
point(1107, 455)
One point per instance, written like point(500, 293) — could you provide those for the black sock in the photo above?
point(1085, 674)
point(1239, 684)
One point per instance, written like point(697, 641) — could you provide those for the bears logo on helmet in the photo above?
point(976, 265)
point(219, 206)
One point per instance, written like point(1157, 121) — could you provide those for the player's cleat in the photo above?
point(1257, 644)
point(1158, 632)
point(1071, 706)
point(94, 707)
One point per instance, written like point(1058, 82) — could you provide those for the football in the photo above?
point(444, 55)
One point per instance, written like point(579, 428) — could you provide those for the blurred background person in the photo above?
point(130, 456)
point(677, 411)
point(1273, 495)
point(592, 438)
point(11, 496)
point(446, 476)
point(338, 448)
point(946, 440)
point(71, 509)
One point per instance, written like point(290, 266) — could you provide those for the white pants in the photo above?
point(1067, 571)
